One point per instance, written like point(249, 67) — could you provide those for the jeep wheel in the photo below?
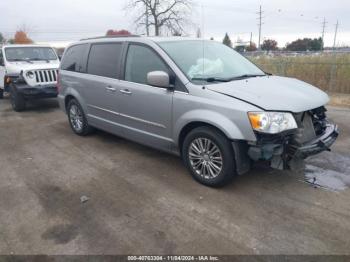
point(77, 119)
point(17, 100)
point(209, 156)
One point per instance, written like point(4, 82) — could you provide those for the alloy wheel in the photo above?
point(205, 158)
point(76, 118)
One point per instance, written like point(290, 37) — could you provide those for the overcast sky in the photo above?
point(64, 21)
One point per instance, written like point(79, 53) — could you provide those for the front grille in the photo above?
point(306, 131)
point(46, 76)
point(311, 124)
point(319, 120)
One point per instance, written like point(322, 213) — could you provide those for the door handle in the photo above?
point(126, 92)
point(112, 89)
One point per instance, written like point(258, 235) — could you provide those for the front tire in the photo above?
point(77, 119)
point(209, 156)
point(17, 100)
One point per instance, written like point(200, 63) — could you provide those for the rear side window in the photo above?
point(104, 59)
point(74, 59)
point(140, 61)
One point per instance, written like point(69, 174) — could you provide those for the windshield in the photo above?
point(200, 60)
point(29, 54)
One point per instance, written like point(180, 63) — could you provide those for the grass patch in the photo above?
point(330, 72)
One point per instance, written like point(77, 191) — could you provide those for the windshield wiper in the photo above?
point(210, 79)
point(217, 79)
point(245, 76)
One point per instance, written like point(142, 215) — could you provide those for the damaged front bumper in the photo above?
point(283, 152)
point(318, 145)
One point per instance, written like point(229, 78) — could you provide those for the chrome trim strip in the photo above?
point(162, 89)
point(130, 128)
point(181, 92)
point(129, 117)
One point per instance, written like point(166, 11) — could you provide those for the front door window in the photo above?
point(140, 61)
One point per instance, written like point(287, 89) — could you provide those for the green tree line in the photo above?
point(305, 44)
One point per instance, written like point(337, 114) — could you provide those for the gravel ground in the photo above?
point(139, 200)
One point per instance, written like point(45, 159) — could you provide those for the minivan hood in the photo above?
point(274, 93)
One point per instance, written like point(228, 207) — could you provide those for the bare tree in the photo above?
point(25, 28)
point(170, 14)
point(21, 35)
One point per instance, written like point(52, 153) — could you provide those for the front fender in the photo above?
point(223, 123)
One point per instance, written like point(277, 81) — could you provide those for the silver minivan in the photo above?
point(195, 98)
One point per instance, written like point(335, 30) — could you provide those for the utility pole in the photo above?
point(251, 39)
point(332, 81)
point(199, 33)
point(335, 34)
point(323, 31)
point(260, 25)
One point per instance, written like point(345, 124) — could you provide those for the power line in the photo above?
point(301, 18)
point(233, 9)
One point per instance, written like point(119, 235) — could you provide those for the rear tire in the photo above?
point(77, 119)
point(209, 156)
point(17, 100)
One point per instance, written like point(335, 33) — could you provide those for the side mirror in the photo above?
point(2, 61)
point(158, 79)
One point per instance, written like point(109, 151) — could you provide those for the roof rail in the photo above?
point(109, 36)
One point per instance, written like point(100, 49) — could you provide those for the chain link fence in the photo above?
point(329, 71)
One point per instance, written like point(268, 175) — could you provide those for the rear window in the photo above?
point(104, 59)
point(75, 58)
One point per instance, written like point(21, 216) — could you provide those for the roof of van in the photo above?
point(174, 38)
point(138, 38)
